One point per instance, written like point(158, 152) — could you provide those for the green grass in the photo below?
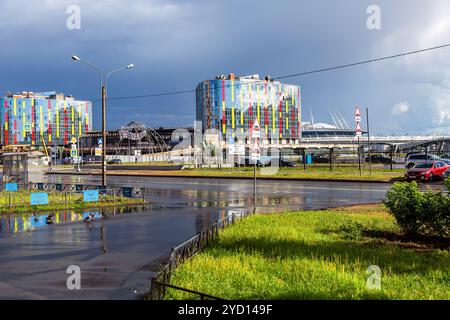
point(312, 172)
point(313, 255)
point(315, 171)
point(20, 201)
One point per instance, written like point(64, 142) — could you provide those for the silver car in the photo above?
point(413, 159)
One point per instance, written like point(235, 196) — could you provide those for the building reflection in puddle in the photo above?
point(13, 223)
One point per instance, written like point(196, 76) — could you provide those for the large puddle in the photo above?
point(18, 222)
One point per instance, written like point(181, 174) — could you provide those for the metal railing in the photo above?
point(62, 194)
point(201, 295)
point(129, 192)
point(186, 250)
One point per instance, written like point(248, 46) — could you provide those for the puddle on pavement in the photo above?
point(18, 222)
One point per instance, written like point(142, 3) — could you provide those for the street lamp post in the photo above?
point(103, 136)
point(103, 86)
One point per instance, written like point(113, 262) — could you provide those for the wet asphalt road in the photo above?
point(117, 255)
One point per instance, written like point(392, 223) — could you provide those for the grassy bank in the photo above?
point(18, 202)
point(317, 255)
point(313, 172)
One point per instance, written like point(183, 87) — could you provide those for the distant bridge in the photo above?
point(397, 143)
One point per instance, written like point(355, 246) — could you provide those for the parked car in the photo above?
point(320, 158)
point(427, 171)
point(446, 159)
point(266, 161)
point(114, 161)
point(89, 159)
point(413, 159)
point(68, 160)
point(446, 174)
point(378, 158)
point(287, 163)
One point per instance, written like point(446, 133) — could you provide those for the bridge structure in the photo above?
point(387, 143)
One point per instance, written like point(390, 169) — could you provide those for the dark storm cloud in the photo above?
point(176, 44)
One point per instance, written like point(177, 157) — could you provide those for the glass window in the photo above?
point(424, 165)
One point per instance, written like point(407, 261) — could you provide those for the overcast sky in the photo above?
point(177, 44)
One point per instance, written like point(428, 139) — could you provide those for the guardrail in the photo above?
point(129, 192)
point(186, 250)
point(62, 194)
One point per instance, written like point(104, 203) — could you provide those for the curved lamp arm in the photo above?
point(119, 69)
point(76, 58)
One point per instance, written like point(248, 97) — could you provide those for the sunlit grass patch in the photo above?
point(314, 255)
point(19, 201)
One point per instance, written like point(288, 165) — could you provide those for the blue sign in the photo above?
point(37, 198)
point(99, 141)
point(11, 186)
point(127, 192)
point(309, 159)
point(90, 195)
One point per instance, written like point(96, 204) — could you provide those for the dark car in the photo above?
point(114, 161)
point(68, 160)
point(320, 158)
point(92, 159)
point(287, 163)
point(427, 171)
point(378, 158)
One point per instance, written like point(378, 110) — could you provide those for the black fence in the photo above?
point(128, 192)
point(362, 159)
point(63, 194)
point(186, 250)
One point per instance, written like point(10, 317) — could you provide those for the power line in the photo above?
point(150, 95)
point(364, 62)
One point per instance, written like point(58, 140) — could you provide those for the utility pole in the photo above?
point(104, 135)
point(254, 184)
point(359, 158)
point(256, 156)
point(103, 85)
point(78, 155)
point(358, 133)
point(368, 141)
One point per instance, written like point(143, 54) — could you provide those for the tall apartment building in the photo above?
point(229, 106)
point(31, 118)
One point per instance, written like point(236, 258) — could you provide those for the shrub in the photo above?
point(351, 230)
point(447, 183)
point(422, 213)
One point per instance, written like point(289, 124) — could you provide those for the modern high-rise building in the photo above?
point(30, 118)
point(229, 106)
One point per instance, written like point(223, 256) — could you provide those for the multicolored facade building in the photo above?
point(229, 105)
point(30, 118)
